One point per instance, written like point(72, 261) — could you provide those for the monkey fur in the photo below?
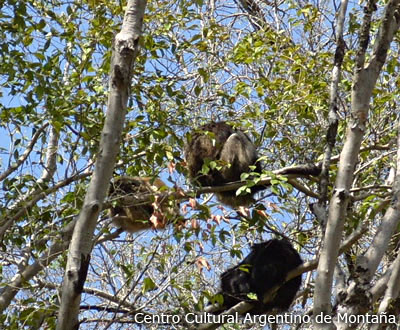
point(265, 267)
point(233, 150)
point(128, 214)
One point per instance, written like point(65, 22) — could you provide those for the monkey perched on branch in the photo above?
point(231, 150)
point(132, 215)
point(263, 269)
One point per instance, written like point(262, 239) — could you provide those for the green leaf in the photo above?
point(148, 285)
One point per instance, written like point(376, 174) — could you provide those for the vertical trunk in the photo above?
point(365, 77)
point(124, 53)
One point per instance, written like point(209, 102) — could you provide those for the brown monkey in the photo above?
point(229, 147)
point(132, 216)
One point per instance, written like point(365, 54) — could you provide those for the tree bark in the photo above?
point(365, 77)
point(126, 47)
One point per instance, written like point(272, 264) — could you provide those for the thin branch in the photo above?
point(27, 205)
point(333, 118)
point(364, 33)
point(26, 153)
point(8, 292)
point(380, 286)
point(393, 287)
point(95, 292)
point(291, 173)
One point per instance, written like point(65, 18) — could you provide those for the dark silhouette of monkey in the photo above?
point(231, 149)
point(265, 267)
point(133, 216)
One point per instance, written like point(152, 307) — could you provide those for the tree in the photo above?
point(311, 82)
point(124, 53)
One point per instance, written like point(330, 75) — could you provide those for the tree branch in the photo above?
point(368, 263)
point(333, 119)
point(26, 153)
point(363, 84)
point(8, 292)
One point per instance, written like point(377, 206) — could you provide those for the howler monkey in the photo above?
point(132, 216)
point(233, 152)
point(265, 267)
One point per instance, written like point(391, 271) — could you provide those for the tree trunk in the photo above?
point(125, 50)
point(365, 76)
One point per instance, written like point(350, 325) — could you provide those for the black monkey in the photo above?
point(265, 267)
point(229, 147)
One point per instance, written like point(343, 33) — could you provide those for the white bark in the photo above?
point(333, 119)
point(51, 156)
point(124, 53)
point(392, 291)
point(380, 286)
point(365, 77)
point(389, 223)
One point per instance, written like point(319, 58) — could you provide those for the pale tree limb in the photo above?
point(371, 259)
point(367, 264)
point(359, 296)
point(50, 166)
point(319, 209)
point(8, 292)
point(304, 189)
point(372, 161)
point(51, 156)
point(381, 284)
point(333, 119)
point(30, 198)
point(27, 201)
point(369, 188)
point(52, 147)
point(126, 48)
point(47, 174)
point(365, 77)
point(25, 155)
point(392, 291)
